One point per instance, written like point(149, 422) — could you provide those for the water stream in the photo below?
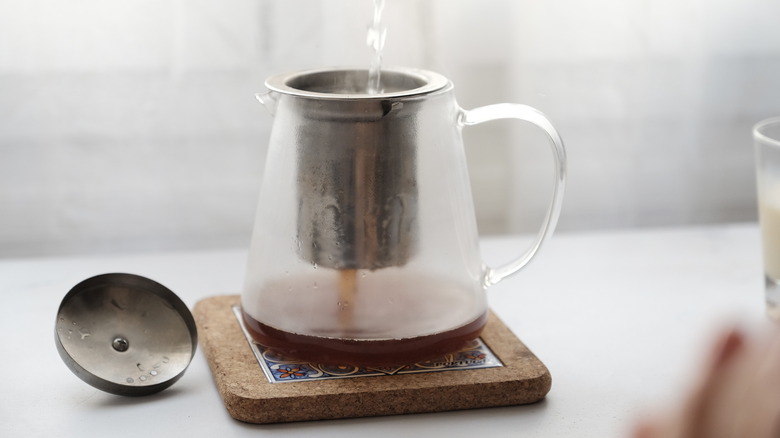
point(376, 42)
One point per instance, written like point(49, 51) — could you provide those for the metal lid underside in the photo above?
point(125, 334)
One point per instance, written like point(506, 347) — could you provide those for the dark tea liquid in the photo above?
point(357, 321)
point(388, 352)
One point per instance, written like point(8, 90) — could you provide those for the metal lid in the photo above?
point(125, 334)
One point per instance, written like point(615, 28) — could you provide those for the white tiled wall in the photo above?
point(131, 125)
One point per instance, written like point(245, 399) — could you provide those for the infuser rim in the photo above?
point(401, 81)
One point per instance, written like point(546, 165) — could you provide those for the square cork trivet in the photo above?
point(250, 397)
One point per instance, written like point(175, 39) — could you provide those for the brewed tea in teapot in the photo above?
point(365, 246)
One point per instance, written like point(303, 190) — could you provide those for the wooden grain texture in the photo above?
point(249, 397)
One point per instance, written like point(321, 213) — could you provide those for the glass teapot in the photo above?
point(365, 246)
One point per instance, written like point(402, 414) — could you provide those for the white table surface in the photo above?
point(621, 319)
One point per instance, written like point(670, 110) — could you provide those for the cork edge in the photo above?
point(250, 398)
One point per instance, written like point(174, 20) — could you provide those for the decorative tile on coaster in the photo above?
point(508, 374)
point(280, 369)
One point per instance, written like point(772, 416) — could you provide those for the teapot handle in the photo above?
point(534, 116)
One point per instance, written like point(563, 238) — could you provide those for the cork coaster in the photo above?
point(250, 397)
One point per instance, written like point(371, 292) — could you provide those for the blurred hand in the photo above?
point(738, 396)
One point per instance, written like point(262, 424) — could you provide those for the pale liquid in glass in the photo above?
point(769, 215)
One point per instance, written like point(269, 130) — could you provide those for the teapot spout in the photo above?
point(269, 99)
